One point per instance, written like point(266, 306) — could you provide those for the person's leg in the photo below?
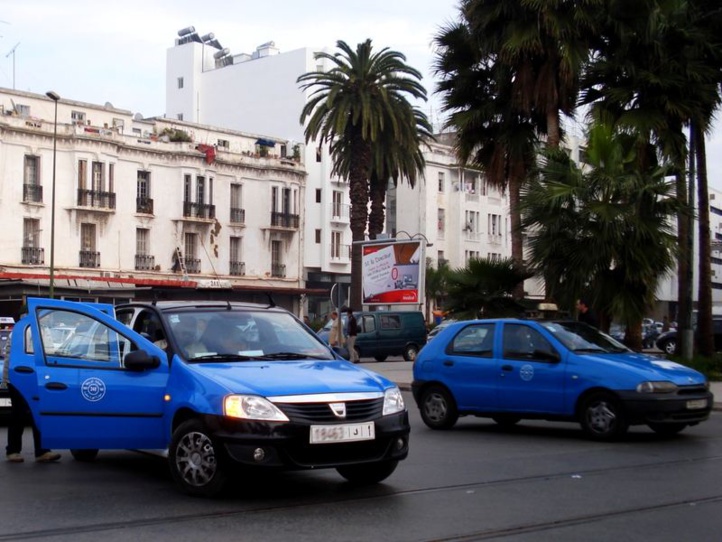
point(16, 424)
point(351, 350)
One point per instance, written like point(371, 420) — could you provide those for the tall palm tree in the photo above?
point(616, 220)
point(351, 107)
point(436, 284)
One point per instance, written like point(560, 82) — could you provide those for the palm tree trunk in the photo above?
point(359, 195)
point(377, 216)
point(684, 295)
point(704, 307)
point(516, 179)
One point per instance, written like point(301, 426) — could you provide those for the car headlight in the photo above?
point(656, 387)
point(252, 407)
point(393, 401)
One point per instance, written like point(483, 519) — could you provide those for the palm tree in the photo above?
point(436, 284)
point(616, 224)
point(351, 108)
point(483, 289)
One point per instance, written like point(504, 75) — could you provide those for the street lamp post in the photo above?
point(53, 96)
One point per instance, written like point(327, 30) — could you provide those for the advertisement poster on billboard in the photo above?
point(392, 273)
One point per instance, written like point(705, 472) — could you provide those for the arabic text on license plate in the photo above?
point(696, 403)
point(5, 402)
point(349, 432)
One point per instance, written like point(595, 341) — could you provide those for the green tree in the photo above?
point(436, 284)
point(483, 289)
point(608, 229)
point(351, 107)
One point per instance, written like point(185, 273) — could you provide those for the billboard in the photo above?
point(393, 272)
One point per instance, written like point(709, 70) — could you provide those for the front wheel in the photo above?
point(380, 358)
point(602, 417)
point(84, 455)
point(410, 352)
point(667, 429)
point(195, 460)
point(368, 473)
point(669, 347)
point(438, 408)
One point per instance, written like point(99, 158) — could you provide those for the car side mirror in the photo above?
point(139, 360)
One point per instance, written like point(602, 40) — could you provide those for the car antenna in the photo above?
point(271, 302)
point(229, 305)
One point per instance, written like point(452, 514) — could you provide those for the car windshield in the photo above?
point(213, 334)
point(583, 339)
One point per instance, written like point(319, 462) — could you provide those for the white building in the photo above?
point(152, 203)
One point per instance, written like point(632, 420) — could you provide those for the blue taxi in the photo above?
point(219, 386)
point(511, 369)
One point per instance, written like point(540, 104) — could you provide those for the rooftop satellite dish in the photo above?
point(108, 105)
point(137, 116)
point(187, 30)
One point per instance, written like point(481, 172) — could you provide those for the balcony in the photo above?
point(193, 265)
point(238, 215)
point(237, 268)
point(32, 193)
point(96, 199)
point(144, 262)
point(278, 270)
point(32, 256)
point(340, 212)
point(144, 205)
point(199, 210)
point(89, 258)
point(341, 253)
point(284, 220)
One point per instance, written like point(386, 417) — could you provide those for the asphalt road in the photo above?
point(537, 482)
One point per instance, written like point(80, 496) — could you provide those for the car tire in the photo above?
point(438, 408)
point(196, 461)
point(506, 420)
point(410, 352)
point(667, 429)
point(668, 347)
point(85, 455)
point(368, 473)
point(380, 358)
point(602, 417)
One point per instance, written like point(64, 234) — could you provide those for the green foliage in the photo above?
point(176, 135)
point(710, 367)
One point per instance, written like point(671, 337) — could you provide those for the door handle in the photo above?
point(507, 368)
point(56, 386)
point(448, 363)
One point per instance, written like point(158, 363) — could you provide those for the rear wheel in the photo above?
point(84, 455)
point(667, 429)
point(196, 463)
point(438, 408)
point(602, 417)
point(368, 473)
point(410, 352)
point(380, 358)
point(669, 346)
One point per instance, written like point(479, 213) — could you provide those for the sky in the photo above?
point(100, 51)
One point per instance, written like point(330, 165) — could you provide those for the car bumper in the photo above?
point(287, 445)
point(667, 408)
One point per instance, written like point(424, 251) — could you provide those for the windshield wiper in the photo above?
point(290, 355)
point(223, 357)
point(588, 350)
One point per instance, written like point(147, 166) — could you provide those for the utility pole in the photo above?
point(12, 52)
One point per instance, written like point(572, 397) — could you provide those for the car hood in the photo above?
point(274, 378)
point(651, 368)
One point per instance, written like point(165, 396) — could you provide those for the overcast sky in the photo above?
point(114, 51)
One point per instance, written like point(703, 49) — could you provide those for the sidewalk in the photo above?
point(401, 373)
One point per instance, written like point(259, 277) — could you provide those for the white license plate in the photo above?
point(5, 402)
point(696, 403)
point(321, 434)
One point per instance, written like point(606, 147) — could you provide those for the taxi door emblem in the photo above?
point(339, 409)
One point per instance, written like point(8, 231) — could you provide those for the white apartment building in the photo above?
point(144, 206)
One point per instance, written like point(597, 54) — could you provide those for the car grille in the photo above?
point(692, 390)
point(368, 409)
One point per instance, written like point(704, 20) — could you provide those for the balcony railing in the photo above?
point(144, 262)
point(32, 193)
point(278, 270)
point(96, 198)
point(237, 268)
point(144, 205)
point(341, 252)
point(238, 215)
point(89, 258)
point(198, 210)
point(32, 255)
point(284, 220)
point(193, 265)
point(340, 212)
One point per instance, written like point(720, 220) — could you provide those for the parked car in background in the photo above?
point(439, 328)
point(509, 370)
point(667, 341)
point(225, 386)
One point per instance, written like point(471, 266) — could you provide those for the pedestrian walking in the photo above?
point(335, 336)
point(351, 331)
point(586, 313)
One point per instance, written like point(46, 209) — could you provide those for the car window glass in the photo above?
point(369, 324)
point(390, 322)
point(524, 342)
point(474, 340)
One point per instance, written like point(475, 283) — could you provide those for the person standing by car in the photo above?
point(586, 313)
point(19, 412)
point(335, 336)
point(351, 331)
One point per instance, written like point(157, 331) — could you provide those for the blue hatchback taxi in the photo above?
point(219, 386)
point(511, 369)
